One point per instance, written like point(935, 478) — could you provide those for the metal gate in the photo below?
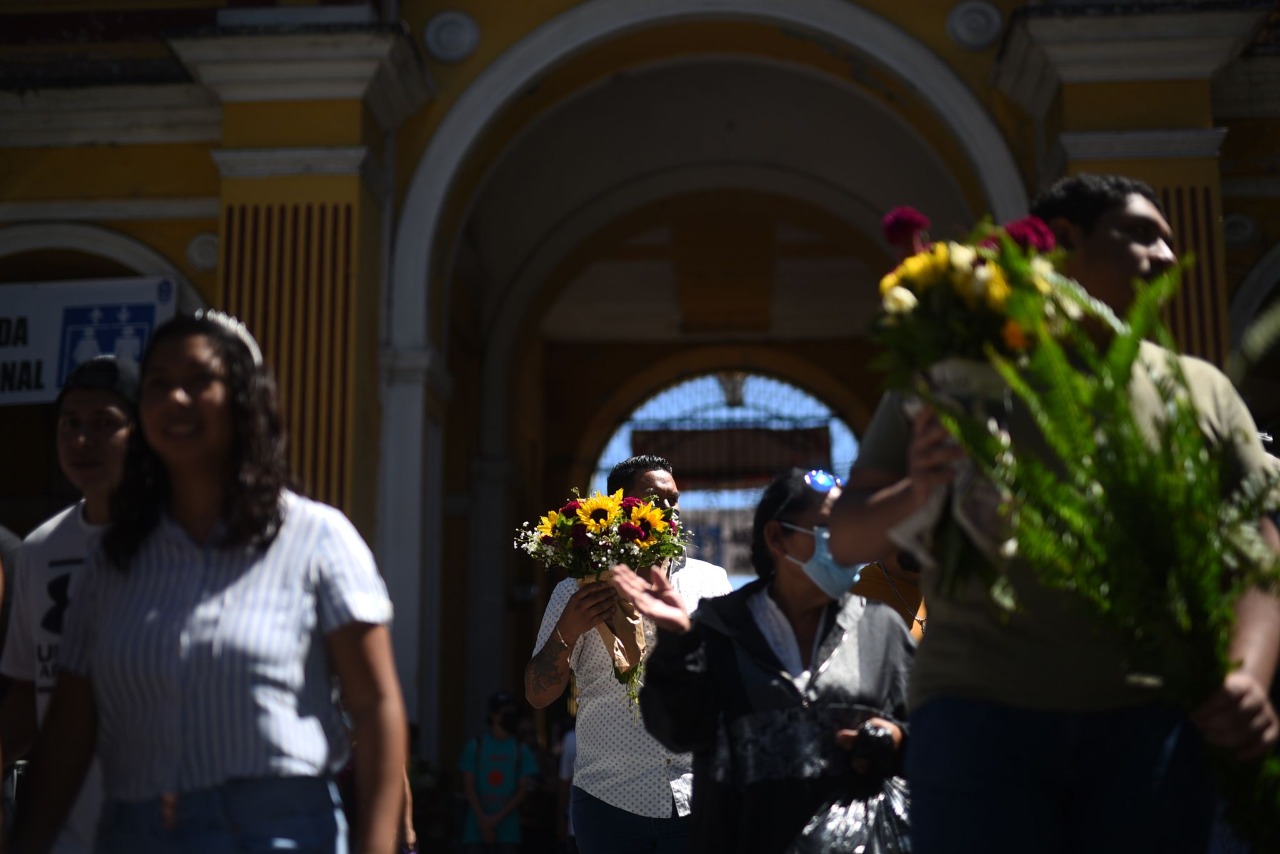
point(727, 435)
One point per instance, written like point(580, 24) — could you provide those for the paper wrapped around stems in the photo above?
point(622, 631)
point(973, 387)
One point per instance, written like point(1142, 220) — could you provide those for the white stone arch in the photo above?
point(410, 350)
point(594, 22)
point(1260, 283)
point(92, 240)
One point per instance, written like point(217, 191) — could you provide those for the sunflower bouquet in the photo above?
point(586, 537)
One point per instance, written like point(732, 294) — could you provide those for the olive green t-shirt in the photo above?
point(1049, 653)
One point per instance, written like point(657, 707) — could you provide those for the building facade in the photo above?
point(472, 237)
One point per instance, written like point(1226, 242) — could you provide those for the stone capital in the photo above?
point(1048, 46)
point(376, 63)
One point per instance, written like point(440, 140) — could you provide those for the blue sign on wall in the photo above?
point(120, 329)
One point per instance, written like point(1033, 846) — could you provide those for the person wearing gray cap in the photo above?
point(96, 417)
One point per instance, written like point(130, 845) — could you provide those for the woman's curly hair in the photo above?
point(259, 468)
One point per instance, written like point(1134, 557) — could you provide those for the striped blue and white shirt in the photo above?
point(209, 664)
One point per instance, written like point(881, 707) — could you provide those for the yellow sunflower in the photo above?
point(601, 512)
point(547, 524)
point(650, 520)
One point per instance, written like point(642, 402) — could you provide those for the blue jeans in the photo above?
point(299, 814)
point(603, 829)
point(994, 778)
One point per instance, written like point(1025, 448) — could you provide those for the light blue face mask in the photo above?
point(832, 578)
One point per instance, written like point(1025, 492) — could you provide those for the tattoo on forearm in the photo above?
point(545, 672)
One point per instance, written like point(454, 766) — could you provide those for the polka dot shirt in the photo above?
point(618, 761)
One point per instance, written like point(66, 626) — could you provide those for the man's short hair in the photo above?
point(103, 373)
point(1081, 199)
point(625, 473)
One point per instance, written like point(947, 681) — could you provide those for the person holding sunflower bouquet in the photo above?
point(630, 793)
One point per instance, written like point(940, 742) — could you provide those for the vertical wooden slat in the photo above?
point(295, 307)
point(344, 315)
point(288, 273)
point(1215, 294)
point(230, 250)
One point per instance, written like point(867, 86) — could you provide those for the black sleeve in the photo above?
point(678, 700)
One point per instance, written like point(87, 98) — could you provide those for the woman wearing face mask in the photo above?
point(790, 692)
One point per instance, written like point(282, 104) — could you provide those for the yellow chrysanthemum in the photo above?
point(650, 519)
point(997, 292)
point(925, 268)
point(890, 282)
point(547, 524)
point(601, 512)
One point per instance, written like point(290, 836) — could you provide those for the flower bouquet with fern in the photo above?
point(586, 537)
point(1139, 516)
point(946, 310)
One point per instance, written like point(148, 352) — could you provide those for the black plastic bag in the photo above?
point(860, 822)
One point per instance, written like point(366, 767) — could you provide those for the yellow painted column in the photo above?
point(300, 266)
point(1128, 91)
point(1189, 185)
point(306, 116)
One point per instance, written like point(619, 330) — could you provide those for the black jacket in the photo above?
point(765, 755)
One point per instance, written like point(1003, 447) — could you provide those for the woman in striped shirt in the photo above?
point(201, 649)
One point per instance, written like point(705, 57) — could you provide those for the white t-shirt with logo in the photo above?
point(44, 579)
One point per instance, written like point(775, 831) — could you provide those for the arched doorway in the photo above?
point(727, 434)
point(661, 180)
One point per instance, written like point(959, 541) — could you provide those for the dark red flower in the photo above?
point(630, 502)
point(1031, 232)
point(548, 541)
point(570, 509)
point(902, 227)
point(631, 533)
point(578, 533)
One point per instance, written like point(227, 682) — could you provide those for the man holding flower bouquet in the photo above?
point(630, 794)
point(1032, 728)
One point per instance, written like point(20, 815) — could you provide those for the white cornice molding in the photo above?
point(1043, 52)
point(109, 115)
point(1155, 46)
point(1251, 188)
point(1248, 88)
point(276, 162)
point(1142, 144)
point(102, 210)
point(382, 68)
point(282, 162)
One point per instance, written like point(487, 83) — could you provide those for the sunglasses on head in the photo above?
point(819, 481)
point(822, 481)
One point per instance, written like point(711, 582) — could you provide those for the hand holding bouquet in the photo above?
point(588, 536)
